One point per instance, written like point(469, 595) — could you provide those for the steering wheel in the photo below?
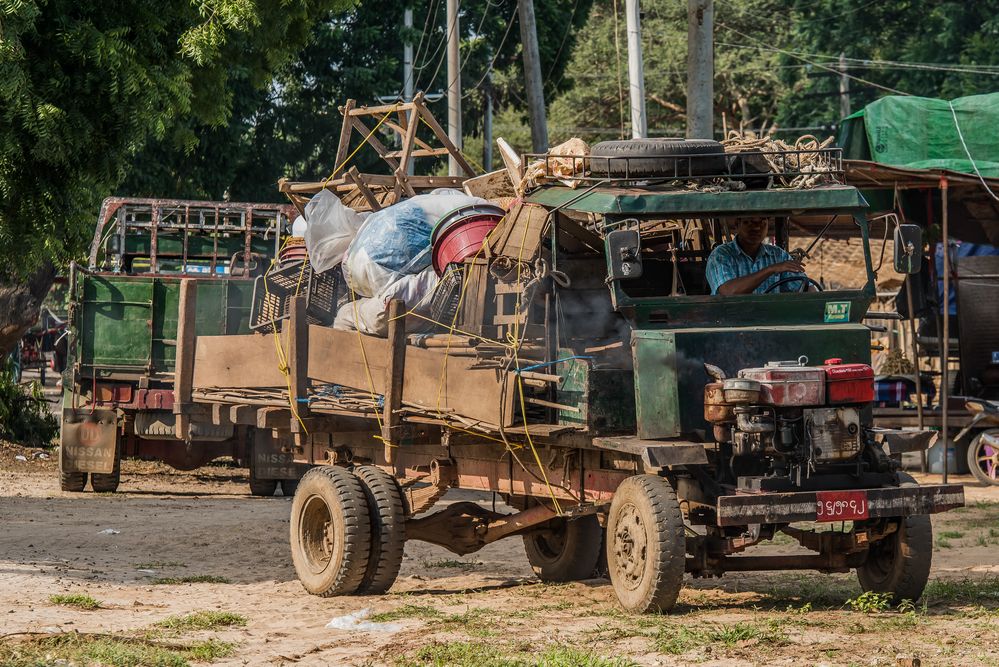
point(805, 282)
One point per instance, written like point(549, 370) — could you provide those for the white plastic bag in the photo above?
point(437, 203)
point(331, 227)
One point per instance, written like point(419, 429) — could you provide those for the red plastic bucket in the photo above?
point(460, 234)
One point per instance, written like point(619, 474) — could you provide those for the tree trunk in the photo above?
point(20, 301)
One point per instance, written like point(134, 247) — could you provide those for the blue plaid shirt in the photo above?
point(728, 261)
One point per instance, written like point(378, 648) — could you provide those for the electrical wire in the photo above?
point(489, 69)
point(565, 37)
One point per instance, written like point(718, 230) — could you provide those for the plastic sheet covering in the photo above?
point(920, 133)
point(369, 314)
point(330, 229)
point(395, 241)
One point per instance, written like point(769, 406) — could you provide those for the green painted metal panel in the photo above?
point(129, 323)
point(669, 365)
point(659, 201)
point(657, 399)
point(605, 397)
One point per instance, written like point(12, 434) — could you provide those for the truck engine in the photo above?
point(787, 422)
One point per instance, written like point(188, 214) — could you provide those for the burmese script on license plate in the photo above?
point(841, 505)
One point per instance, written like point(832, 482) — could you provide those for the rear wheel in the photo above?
point(900, 563)
point(330, 531)
point(983, 457)
point(72, 481)
point(387, 512)
point(107, 482)
point(658, 157)
point(646, 546)
point(565, 550)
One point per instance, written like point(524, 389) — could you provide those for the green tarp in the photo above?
point(920, 133)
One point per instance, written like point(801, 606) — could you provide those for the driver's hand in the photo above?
point(790, 266)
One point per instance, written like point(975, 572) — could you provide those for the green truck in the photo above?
point(583, 371)
point(118, 396)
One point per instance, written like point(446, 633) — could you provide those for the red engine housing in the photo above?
point(848, 383)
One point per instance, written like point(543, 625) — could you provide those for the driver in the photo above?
point(747, 265)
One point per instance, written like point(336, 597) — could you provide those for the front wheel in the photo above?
point(646, 546)
point(983, 457)
point(900, 563)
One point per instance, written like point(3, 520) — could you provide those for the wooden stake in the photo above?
point(184, 361)
point(394, 375)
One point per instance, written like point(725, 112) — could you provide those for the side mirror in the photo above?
point(908, 249)
point(624, 254)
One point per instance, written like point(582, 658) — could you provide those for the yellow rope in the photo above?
point(359, 146)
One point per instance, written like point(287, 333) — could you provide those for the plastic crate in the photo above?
point(444, 303)
point(272, 294)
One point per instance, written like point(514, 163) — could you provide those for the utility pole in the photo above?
point(844, 88)
point(532, 73)
point(487, 128)
point(453, 85)
point(636, 71)
point(700, 69)
point(407, 69)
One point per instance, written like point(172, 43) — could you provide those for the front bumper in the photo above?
point(748, 508)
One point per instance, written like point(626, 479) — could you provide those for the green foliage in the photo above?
point(24, 415)
point(476, 654)
point(203, 620)
point(943, 34)
point(747, 86)
point(85, 85)
point(78, 600)
point(972, 591)
point(679, 639)
point(871, 602)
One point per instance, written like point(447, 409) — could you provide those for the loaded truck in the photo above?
point(580, 368)
point(119, 377)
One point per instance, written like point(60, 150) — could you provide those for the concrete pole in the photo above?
point(407, 69)
point(844, 88)
point(636, 71)
point(700, 69)
point(453, 85)
point(532, 74)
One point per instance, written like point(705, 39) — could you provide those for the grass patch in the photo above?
point(406, 611)
point(821, 591)
point(203, 620)
point(951, 534)
point(679, 639)
point(158, 565)
point(478, 654)
point(969, 591)
point(78, 600)
point(193, 579)
point(871, 602)
point(942, 543)
point(111, 651)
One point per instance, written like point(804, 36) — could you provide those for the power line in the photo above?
point(565, 36)
point(489, 69)
point(815, 64)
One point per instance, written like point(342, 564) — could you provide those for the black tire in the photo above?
point(72, 481)
point(106, 483)
point(330, 531)
point(289, 486)
point(565, 550)
point(978, 458)
point(900, 563)
point(387, 512)
point(646, 546)
point(663, 157)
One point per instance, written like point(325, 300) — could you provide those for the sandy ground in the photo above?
point(485, 608)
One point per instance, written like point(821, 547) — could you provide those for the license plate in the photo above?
point(841, 505)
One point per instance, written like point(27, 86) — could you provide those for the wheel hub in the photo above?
point(630, 547)
point(317, 534)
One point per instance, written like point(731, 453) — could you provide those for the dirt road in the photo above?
point(131, 552)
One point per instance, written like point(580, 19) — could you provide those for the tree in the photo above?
point(747, 86)
point(84, 86)
point(921, 47)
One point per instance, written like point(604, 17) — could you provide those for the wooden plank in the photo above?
point(272, 417)
point(395, 372)
point(345, 129)
point(373, 141)
point(186, 349)
point(363, 188)
point(524, 239)
point(245, 415)
point(445, 140)
point(298, 356)
point(237, 361)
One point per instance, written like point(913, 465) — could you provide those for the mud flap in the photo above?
point(88, 441)
point(271, 457)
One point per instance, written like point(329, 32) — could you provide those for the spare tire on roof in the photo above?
point(657, 158)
